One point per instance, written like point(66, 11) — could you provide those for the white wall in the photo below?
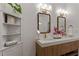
point(73, 17)
point(29, 28)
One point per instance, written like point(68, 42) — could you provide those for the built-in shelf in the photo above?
point(12, 34)
point(11, 24)
point(10, 31)
point(12, 15)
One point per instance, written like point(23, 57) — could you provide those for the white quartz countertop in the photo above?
point(50, 41)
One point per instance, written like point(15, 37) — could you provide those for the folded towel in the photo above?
point(10, 43)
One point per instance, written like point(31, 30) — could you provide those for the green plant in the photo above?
point(16, 7)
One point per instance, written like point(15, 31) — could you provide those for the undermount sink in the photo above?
point(54, 39)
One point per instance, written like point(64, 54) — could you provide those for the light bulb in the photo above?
point(59, 11)
point(39, 7)
point(44, 6)
point(66, 12)
point(49, 8)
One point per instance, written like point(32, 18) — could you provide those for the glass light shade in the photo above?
point(38, 7)
point(44, 8)
point(62, 12)
point(49, 8)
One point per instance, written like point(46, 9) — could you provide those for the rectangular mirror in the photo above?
point(43, 22)
point(61, 24)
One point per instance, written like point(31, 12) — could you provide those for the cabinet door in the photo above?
point(0, 53)
point(13, 51)
point(67, 47)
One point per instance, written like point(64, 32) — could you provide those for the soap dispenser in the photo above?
point(70, 30)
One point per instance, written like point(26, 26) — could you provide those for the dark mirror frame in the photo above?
point(64, 22)
point(48, 25)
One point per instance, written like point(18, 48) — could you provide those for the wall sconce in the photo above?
point(44, 8)
point(62, 12)
point(38, 31)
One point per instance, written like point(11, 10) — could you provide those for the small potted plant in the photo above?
point(16, 7)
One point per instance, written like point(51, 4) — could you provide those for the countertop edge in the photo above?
point(57, 42)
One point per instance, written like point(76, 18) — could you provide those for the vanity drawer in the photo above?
point(68, 47)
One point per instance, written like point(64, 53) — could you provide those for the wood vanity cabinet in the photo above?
point(57, 50)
